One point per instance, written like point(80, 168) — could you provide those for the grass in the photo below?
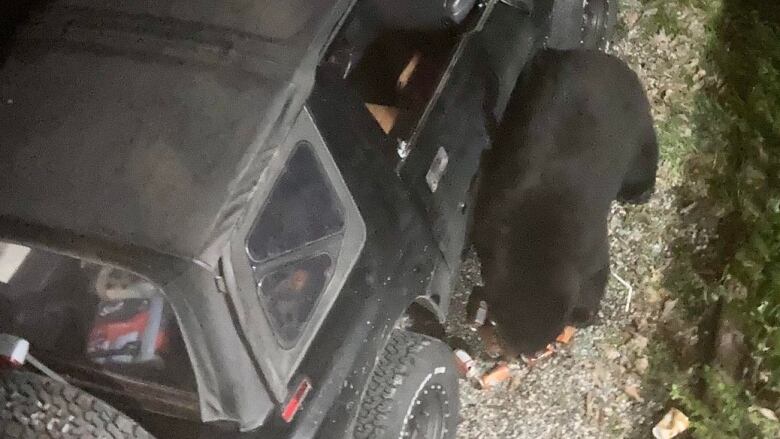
point(675, 140)
point(722, 138)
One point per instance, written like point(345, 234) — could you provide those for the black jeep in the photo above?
point(237, 218)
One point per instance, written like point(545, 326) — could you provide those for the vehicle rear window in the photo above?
point(85, 314)
point(301, 209)
point(293, 245)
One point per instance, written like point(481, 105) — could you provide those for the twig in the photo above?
point(628, 286)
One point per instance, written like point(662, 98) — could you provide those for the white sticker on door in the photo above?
point(436, 171)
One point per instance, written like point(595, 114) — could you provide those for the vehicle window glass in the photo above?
point(90, 315)
point(290, 271)
point(301, 209)
point(289, 294)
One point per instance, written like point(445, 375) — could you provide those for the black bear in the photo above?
point(577, 134)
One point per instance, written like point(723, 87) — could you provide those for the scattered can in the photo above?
point(467, 367)
point(531, 360)
point(566, 336)
point(495, 376)
point(480, 317)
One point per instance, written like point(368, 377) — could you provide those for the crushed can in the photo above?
point(467, 367)
point(480, 317)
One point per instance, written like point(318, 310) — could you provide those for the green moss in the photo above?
point(731, 163)
point(664, 15)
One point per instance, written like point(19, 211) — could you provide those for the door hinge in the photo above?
point(219, 281)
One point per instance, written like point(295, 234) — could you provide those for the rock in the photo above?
point(672, 424)
point(611, 354)
point(631, 18)
point(641, 365)
point(652, 295)
point(765, 412)
point(730, 349)
point(632, 390)
point(669, 305)
point(516, 381)
point(640, 324)
point(591, 411)
point(639, 343)
point(600, 374)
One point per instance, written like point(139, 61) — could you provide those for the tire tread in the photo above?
point(33, 406)
point(393, 366)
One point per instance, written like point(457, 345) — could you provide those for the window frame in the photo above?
point(340, 210)
point(328, 244)
point(278, 363)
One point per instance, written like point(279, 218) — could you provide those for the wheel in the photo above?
point(413, 392)
point(33, 406)
point(585, 24)
point(599, 18)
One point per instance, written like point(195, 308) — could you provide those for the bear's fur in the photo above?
point(577, 134)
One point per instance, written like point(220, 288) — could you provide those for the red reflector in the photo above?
point(13, 351)
point(8, 363)
point(292, 406)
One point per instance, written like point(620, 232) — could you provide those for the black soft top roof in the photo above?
point(150, 122)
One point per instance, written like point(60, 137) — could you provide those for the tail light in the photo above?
point(13, 351)
point(296, 400)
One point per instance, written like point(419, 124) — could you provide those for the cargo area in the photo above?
point(84, 319)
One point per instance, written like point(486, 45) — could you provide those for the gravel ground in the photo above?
point(593, 387)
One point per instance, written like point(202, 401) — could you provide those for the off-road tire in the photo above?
point(597, 35)
point(412, 368)
point(569, 28)
point(36, 407)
